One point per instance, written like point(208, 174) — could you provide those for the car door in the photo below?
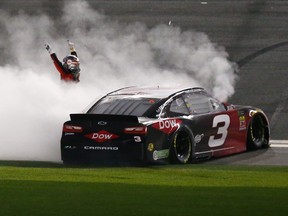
point(214, 128)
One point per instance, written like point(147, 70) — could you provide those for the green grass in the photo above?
point(158, 190)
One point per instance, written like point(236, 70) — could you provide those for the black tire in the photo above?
point(181, 148)
point(257, 136)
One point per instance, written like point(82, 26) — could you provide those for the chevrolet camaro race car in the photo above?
point(161, 125)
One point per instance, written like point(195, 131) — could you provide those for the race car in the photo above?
point(161, 125)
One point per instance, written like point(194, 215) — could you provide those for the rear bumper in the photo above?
point(103, 154)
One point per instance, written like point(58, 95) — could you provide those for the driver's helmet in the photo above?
point(71, 64)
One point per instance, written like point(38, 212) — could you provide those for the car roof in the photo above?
point(152, 92)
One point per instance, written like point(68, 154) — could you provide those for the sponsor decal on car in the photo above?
point(157, 155)
point(70, 147)
point(167, 126)
point(101, 136)
point(198, 138)
point(150, 147)
point(242, 122)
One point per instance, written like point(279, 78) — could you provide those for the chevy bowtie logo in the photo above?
point(102, 123)
point(101, 136)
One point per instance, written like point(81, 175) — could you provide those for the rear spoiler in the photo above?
point(100, 117)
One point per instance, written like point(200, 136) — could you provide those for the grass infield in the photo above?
point(52, 189)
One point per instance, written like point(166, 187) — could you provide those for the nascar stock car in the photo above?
point(161, 125)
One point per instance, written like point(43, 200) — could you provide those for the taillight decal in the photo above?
point(101, 136)
point(72, 128)
point(167, 126)
point(136, 130)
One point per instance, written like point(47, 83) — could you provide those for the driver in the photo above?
point(69, 70)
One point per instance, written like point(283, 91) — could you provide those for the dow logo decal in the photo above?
point(101, 136)
point(167, 126)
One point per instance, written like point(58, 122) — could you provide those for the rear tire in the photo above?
point(257, 136)
point(181, 148)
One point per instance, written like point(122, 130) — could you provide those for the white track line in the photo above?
point(279, 143)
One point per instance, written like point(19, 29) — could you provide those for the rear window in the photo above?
point(123, 106)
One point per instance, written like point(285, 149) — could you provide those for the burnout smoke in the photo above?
point(113, 55)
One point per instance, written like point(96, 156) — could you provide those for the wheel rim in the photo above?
point(257, 135)
point(182, 147)
point(257, 131)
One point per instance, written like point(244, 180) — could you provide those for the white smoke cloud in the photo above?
point(34, 102)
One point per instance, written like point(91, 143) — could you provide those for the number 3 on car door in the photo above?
point(222, 132)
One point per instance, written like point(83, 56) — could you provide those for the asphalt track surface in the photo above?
point(275, 155)
point(254, 33)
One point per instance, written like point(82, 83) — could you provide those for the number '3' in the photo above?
point(222, 130)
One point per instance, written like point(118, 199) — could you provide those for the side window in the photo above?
point(178, 107)
point(198, 103)
point(188, 103)
point(216, 105)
